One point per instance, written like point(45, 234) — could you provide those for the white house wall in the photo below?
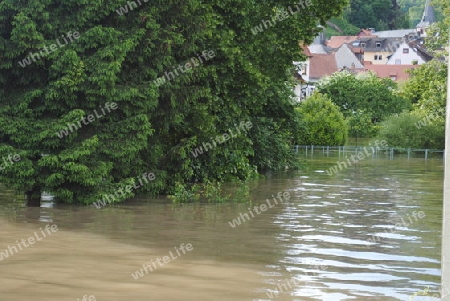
point(405, 58)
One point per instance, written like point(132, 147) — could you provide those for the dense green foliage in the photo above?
point(154, 128)
point(378, 14)
point(427, 86)
point(383, 15)
point(414, 130)
point(325, 124)
point(360, 125)
point(363, 97)
point(444, 7)
point(424, 126)
point(438, 33)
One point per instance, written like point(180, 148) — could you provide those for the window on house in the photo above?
point(398, 62)
point(378, 44)
point(393, 77)
point(380, 57)
point(304, 70)
point(377, 57)
point(405, 50)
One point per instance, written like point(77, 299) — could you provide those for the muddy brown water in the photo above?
point(350, 236)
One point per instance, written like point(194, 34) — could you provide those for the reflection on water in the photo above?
point(354, 236)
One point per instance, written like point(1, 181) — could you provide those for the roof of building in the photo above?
point(305, 50)
point(371, 44)
point(357, 49)
point(421, 50)
point(399, 33)
point(319, 49)
point(322, 65)
point(338, 41)
point(390, 71)
point(345, 58)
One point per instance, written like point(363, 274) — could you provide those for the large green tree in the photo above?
point(121, 48)
point(368, 94)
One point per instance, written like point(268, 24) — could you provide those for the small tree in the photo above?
point(324, 123)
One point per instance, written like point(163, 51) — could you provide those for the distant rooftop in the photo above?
point(322, 65)
point(395, 72)
point(338, 41)
point(399, 33)
point(318, 49)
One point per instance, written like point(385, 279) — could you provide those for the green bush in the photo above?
point(408, 130)
point(324, 122)
point(272, 146)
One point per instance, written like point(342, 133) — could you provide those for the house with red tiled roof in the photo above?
point(322, 65)
point(395, 72)
point(338, 41)
point(388, 54)
point(319, 65)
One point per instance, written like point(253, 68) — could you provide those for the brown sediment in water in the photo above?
point(68, 265)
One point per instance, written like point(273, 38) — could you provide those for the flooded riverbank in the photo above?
point(350, 236)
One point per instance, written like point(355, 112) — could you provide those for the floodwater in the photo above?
point(370, 232)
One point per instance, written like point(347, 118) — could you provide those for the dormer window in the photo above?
point(378, 44)
point(405, 50)
point(363, 44)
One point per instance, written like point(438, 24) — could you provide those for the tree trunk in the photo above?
point(34, 197)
